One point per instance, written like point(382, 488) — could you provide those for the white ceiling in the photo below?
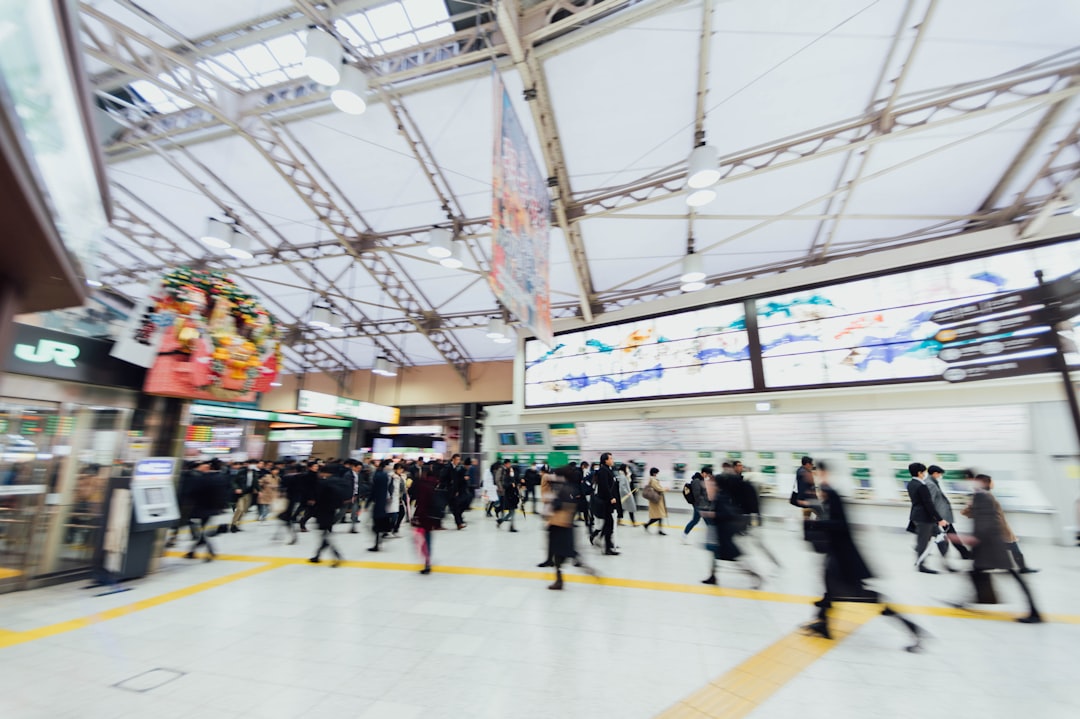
point(623, 102)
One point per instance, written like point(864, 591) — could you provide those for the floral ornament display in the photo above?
point(220, 343)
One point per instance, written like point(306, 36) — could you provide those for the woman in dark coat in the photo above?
point(380, 499)
point(425, 516)
point(845, 570)
point(724, 521)
point(991, 552)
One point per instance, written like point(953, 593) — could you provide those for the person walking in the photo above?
point(654, 493)
point(607, 498)
point(923, 520)
point(694, 494)
point(456, 483)
point(991, 551)
point(208, 496)
point(586, 486)
point(724, 521)
point(268, 491)
point(560, 507)
point(944, 508)
point(426, 518)
point(508, 496)
point(626, 493)
point(489, 493)
point(845, 570)
point(531, 481)
point(332, 495)
point(399, 499)
point(245, 489)
point(380, 499)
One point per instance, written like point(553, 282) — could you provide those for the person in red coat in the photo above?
point(428, 514)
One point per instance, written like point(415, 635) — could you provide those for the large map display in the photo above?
point(700, 351)
point(879, 329)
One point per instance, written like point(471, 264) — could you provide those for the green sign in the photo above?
point(902, 474)
point(735, 455)
point(858, 456)
point(61, 354)
point(899, 457)
point(766, 455)
point(861, 473)
point(947, 457)
point(768, 469)
point(798, 455)
point(302, 435)
point(320, 403)
point(257, 415)
point(704, 455)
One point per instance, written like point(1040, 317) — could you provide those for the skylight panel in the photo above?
point(226, 67)
point(399, 43)
point(288, 50)
point(257, 59)
point(389, 20)
point(425, 12)
point(158, 99)
point(358, 31)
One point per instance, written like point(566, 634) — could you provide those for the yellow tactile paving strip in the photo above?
point(741, 690)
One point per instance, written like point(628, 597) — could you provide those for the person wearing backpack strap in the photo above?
point(694, 494)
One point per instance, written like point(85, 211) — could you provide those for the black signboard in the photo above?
point(996, 347)
point(1002, 368)
point(989, 306)
point(1000, 325)
point(39, 352)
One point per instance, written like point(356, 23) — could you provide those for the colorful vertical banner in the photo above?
point(519, 224)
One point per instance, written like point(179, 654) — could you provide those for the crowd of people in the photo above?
point(424, 495)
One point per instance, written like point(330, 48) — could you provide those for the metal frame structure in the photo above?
point(521, 38)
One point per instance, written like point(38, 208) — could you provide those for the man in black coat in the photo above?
point(309, 488)
point(457, 485)
point(245, 489)
point(207, 495)
point(332, 495)
point(607, 499)
point(924, 519)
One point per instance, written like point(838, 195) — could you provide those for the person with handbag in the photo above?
point(724, 520)
point(845, 570)
point(626, 492)
point(654, 493)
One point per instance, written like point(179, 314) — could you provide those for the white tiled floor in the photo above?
point(352, 642)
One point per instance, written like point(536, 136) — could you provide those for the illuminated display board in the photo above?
point(699, 351)
point(876, 329)
point(880, 328)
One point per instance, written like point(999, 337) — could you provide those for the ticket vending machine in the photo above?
point(140, 503)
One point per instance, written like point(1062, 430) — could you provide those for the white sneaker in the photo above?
point(685, 538)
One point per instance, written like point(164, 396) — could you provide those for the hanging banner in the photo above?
point(519, 223)
point(139, 340)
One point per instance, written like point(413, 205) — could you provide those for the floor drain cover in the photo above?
point(149, 680)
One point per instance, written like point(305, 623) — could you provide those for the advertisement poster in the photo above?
point(519, 224)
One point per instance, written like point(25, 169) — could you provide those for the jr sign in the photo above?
point(46, 351)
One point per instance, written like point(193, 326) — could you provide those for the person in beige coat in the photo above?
point(654, 492)
point(268, 491)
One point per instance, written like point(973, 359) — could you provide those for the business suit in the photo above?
point(380, 490)
point(607, 494)
point(944, 508)
point(245, 486)
point(923, 519)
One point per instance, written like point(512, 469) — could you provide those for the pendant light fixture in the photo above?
point(703, 167)
point(322, 61)
point(350, 95)
point(321, 318)
point(241, 246)
point(495, 328)
point(440, 242)
point(383, 368)
point(218, 234)
point(693, 271)
point(700, 198)
point(453, 260)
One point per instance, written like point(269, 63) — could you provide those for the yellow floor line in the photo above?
point(645, 584)
point(10, 638)
point(741, 690)
point(6, 573)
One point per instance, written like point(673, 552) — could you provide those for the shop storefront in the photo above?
point(66, 412)
point(236, 434)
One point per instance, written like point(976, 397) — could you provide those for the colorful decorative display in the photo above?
point(211, 340)
point(519, 224)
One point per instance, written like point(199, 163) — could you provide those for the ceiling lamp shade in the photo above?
point(692, 269)
point(495, 328)
point(321, 318)
point(322, 62)
point(507, 338)
point(453, 260)
point(700, 198)
point(439, 243)
point(703, 168)
point(350, 94)
point(692, 286)
point(218, 234)
point(241, 247)
point(383, 368)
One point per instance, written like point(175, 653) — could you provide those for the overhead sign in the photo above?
point(995, 347)
point(213, 410)
point(435, 429)
point(41, 352)
point(1004, 368)
point(321, 403)
point(989, 306)
point(303, 435)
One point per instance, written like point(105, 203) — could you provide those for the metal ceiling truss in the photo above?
point(120, 47)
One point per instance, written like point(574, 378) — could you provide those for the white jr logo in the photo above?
point(60, 353)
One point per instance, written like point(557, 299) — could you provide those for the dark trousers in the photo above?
point(457, 506)
point(608, 528)
point(198, 531)
point(924, 532)
point(327, 544)
point(530, 494)
point(982, 581)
